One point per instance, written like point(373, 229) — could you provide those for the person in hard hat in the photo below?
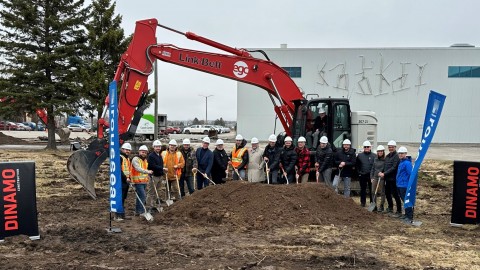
point(378, 167)
point(364, 166)
point(205, 163)
point(191, 165)
point(173, 163)
point(155, 164)
point(403, 176)
point(288, 159)
point(125, 174)
point(256, 163)
point(220, 163)
point(390, 175)
point(271, 156)
point(303, 161)
point(344, 161)
point(324, 161)
point(239, 157)
point(319, 128)
point(140, 177)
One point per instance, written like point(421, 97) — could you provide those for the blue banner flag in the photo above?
point(116, 205)
point(432, 116)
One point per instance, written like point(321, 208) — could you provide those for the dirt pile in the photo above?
point(5, 139)
point(258, 206)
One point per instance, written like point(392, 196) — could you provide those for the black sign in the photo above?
point(465, 206)
point(18, 204)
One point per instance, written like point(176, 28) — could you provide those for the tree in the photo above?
point(40, 44)
point(219, 122)
point(196, 121)
point(106, 43)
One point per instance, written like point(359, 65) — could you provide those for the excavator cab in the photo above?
point(329, 117)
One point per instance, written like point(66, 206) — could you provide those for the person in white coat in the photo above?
point(256, 163)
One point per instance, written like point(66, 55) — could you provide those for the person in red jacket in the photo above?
point(303, 161)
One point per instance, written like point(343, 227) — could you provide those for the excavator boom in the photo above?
point(135, 67)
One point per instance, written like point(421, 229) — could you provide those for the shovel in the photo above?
point(268, 173)
point(317, 175)
point(169, 201)
point(373, 205)
point(146, 214)
point(296, 175)
point(195, 181)
point(178, 185)
point(206, 176)
point(285, 174)
point(159, 205)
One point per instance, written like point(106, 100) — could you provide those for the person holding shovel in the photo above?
point(189, 155)
point(173, 163)
point(140, 177)
point(288, 159)
point(255, 163)
point(377, 168)
point(303, 161)
point(155, 164)
point(126, 165)
point(403, 176)
point(364, 167)
point(271, 156)
point(239, 158)
point(345, 161)
point(324, 161)
point(205, 163)
point(220, 163)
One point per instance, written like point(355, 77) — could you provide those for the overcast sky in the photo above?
point(300, 24)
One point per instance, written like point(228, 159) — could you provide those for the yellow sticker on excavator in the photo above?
point(137, 85)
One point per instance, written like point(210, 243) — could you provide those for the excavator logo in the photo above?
point(240, 69)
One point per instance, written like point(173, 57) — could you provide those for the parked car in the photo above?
point(77, 127)
point(32, 125)
point(22, 126)
point(8, 126)
point(219, 129)
point(201, 129)
point(173, 130)
point(40, 127)
point(225, 130)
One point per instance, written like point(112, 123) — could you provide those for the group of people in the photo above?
point(276, 164)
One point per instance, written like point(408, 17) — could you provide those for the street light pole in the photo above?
point(206, 106)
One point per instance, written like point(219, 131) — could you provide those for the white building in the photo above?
point(392, 82)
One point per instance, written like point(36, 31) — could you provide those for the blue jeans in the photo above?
point(140, 190)
point(242, 174)
point(189, 180)
point(402, 191)
point(201, 181)
point(346, 185)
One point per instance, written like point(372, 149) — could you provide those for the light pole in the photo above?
point(206, 106)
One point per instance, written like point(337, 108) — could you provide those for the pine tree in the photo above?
point(106, 43)
point(40, 43)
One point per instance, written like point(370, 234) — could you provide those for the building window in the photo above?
point(294, 72)
point(463, 72)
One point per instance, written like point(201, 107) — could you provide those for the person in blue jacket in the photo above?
point(403, 175)
point(205, 162)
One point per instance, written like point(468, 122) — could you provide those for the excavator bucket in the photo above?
point(83, 165)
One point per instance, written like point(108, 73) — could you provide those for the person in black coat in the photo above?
point(271, 156)
point(220, 163)
point(288, 159)
point(324, 161)
point(345, 161)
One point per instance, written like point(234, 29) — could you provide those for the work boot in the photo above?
point(380, 209)
point(389, 210)
point(118, 217)
point(397, 215)
point(363, 204)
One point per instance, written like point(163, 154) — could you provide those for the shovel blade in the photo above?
point(169, 202)
point(372, 207)
point(148, 216)
point(83, 165)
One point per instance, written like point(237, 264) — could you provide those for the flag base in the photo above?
point(114, 230)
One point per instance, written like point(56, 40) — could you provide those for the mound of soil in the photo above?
point(258, 206)
point(5, 139)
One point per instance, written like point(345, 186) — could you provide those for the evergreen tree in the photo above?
point(40, 43)
point(106, 43)
point(219, 122)
point(196, 121)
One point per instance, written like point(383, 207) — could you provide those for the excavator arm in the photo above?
point(137, 64)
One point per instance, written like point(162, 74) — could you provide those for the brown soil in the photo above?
point(5, 139)
point(238, 226)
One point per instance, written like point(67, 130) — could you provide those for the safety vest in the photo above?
point(126, 165)
point(171, 171)
point(138, 177)
point(237, 156)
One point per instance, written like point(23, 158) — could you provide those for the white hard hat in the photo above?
point(367, 144)
point(127, 146)
point(272, 138)
point(324, 139)
point(219, 142)
point(288, 139)
point(186, 141)
point(254, 140)
point(239, 137)
point(172, 142)
point(157, 143)
point(321, 110)
point(206, 140)
point(143, 148)
point(392, 143)
point(402, 149)
point(347, 141)
point(380, 148)
point(302, 139)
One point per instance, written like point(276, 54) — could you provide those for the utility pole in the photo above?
point(155, 128)
point(206, 107)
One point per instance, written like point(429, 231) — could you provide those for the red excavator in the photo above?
point(296, 113)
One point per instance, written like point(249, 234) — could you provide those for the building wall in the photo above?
point(398, 100)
